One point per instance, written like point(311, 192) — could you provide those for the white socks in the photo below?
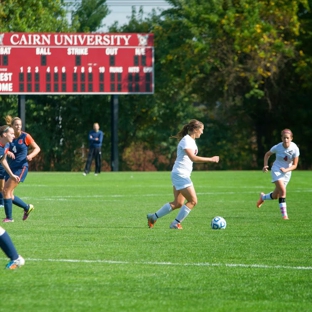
point(183, 213)
point(283, 209)
point(164, 210)
point(267, 196)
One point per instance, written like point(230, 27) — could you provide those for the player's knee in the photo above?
point(176, 205)
point(5, 194)
point(193, 203)
point(4, 191)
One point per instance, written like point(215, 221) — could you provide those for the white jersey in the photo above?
point(183, 165)
point(284, 159)
point(284, 156)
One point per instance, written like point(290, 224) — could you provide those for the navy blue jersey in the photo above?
point(19, 147)
point(95, 138)
point(3, 151)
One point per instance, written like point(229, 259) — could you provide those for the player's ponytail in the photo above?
point(188, 128)
point(8, 120)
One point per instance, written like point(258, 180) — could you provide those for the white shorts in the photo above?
point(180, 182)
point(279, 175)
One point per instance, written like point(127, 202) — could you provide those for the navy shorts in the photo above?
point(21, 172)
point(2, 173)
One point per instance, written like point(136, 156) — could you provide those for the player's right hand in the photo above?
point(265, 168)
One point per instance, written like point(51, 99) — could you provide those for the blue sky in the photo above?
point(121, 9)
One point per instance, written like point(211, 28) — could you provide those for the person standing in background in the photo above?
point(95, 144)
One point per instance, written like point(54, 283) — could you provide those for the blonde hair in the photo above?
point(11, 120)
point(188, 128)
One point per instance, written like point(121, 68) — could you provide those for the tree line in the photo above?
point(242, 67)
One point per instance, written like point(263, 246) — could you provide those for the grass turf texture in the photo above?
point(88, 248)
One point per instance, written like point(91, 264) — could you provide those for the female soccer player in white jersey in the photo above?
point(183, 189)
point(287, 158)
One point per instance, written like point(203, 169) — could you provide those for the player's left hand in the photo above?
point(16, 178)
point(11, 155)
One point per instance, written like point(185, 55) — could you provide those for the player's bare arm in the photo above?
point(199, 159)
point(35, 151)
point(265, 161)
point(292, 167)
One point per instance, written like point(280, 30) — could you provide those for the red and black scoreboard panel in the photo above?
point(76, 63)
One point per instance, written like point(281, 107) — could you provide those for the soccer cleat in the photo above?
point(7, 220)
point(176, 226)
point(14, 264)
point(150, 220)
point(26, 213)
point(260, 200)
point(285, 218)
point(84, 173)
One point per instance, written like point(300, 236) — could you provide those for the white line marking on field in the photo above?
point(121, 196)
point(203, 264)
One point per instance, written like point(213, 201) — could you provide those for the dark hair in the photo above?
point(4, 129)
point(188, 128)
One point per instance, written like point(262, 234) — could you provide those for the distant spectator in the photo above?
point(95, 144)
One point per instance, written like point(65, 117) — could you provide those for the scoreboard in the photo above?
point(76, 63)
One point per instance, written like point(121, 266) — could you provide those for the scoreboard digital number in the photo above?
point(76, 63)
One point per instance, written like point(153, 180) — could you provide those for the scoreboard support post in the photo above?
point(114, 132)
point(22, 110)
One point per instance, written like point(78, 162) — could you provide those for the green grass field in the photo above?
point(88, 248)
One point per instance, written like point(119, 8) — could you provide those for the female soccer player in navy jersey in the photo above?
point(6, 244)
point(287, 158)
point(19, 166)
point(183, 189)
point(2, 175)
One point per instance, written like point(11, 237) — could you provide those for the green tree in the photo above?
point(90, 14)
point(238, 53)
point(151, 120)
point(29, 16)
point(59, 124)
point(33, 16)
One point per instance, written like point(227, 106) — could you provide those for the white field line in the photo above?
point(107, 196)
point(203, 264)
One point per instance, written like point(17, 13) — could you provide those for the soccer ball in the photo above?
point(218, 223)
